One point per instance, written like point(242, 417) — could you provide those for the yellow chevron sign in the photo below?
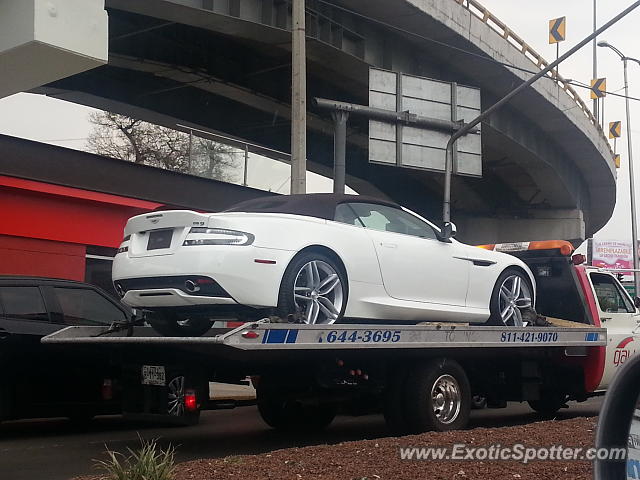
point(598, 88)
point(614, 129)
point(616, 160)
point(557, 29)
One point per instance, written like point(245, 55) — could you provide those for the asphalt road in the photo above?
point(55, 450)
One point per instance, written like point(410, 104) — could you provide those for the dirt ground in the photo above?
point(379, 459)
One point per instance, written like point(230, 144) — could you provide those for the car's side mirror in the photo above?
point(618, 432)
point(636, 301)
point(448, 230)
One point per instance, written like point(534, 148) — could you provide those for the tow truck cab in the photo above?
point(568, 289)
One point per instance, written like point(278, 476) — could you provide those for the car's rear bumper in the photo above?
point(249, 275)
point(171, 297)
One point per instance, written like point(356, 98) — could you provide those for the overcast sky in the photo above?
point(62, 123)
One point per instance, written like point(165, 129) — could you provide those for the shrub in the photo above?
point(149, 462)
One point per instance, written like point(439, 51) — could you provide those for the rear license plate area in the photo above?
point(153, 375)
point(159, 239)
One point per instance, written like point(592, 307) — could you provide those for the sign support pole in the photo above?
point(339, 150)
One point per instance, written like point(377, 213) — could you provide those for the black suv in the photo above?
point(50, 380)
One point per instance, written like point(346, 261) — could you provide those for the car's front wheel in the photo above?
point(171, 324)
point(313, 290)
point(512, 296)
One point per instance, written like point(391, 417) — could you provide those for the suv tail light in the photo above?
point(190, 401)
point(107, 389)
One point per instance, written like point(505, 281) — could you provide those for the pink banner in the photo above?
point(612, 254)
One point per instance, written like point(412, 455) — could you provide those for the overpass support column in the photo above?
point(557, 224)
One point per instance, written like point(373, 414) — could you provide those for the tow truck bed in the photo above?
point(307, 373)
point(265, 336)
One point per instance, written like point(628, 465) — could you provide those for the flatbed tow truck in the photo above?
point(422, 377)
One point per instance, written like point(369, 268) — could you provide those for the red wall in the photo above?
point(39, 210)
point(41, 258)
point(45, 228)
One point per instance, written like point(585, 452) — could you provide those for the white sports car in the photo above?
point(317, 259)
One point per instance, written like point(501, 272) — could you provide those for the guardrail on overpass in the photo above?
point(505, 32)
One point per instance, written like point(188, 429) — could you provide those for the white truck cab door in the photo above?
point(619, 316)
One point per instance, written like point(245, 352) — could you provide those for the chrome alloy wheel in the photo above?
point(446, 399)
point(318, 293)
point(515, 296)
point(176, 397)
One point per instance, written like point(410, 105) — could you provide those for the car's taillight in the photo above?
point(217, 236)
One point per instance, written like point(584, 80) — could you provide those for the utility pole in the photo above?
point(595, 59)
point(634, 231)
point(632, 194)
point(298, 99)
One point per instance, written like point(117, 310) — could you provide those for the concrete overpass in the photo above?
point(224, 65)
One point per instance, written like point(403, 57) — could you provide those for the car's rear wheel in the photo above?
point(171, 324)
point(512, 295)
point(313, 290)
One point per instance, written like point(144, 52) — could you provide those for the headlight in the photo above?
point(217, 236)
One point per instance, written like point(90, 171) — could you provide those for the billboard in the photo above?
point(612, 254)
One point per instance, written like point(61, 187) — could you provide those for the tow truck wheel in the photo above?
point(393, 408)
point(172, 324)
point(289, 415)
point(549, 403)
point(437, 397)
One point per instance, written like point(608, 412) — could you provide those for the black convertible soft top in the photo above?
point(319, 205)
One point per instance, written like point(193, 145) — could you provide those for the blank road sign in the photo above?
point(412, 147)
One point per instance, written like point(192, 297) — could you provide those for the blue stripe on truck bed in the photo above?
point(280, 336)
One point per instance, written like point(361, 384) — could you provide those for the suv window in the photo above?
point(389, 219)
point(610, 298)
point(83, 306)
point(23, 303)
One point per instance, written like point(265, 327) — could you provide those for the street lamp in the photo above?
point(634, 234)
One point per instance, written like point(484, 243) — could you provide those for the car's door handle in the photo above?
point(604, 319)
point(4, 334)
point(388, 245)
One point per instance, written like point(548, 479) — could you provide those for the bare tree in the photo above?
point(134, 140)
